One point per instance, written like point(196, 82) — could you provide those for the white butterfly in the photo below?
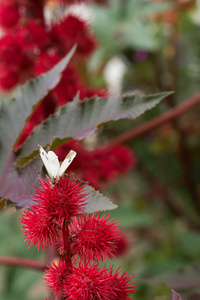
point(52, 164)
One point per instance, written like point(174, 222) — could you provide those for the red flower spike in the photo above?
point(121, 285)
point(87, 282)
point(123, 244)
point(46, 61)
point(11, 52)
point(77, 147)
point(15, 65)
point(44, 109)
point(61, 201)
point(94, 237)
point(91, 92)
point(8, 79)
point(102, 165)
point(38, 228)
point(69, 84)
point(9, 16)
point(73, 30)
point(33, 36)
point(55, 277)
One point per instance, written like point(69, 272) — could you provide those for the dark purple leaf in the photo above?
point(176, 296)
point(13, 114)
point(78, 119)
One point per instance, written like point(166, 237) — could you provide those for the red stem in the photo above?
point(22, 262)
point(67, 247)
point(156, 122)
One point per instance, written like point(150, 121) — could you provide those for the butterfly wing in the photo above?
point(66, 162)
point(50, 161)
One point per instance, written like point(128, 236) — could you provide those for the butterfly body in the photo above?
point(52, 164)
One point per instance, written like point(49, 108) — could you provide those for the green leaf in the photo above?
point(97, 202)
point(14, 111)
point(147, 9)
point(127, 24)
point(138, 36)
point(74, 120)
point(78, 120)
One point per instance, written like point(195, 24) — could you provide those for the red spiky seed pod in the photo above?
point(55, 277)
point(38, 228)
point(9, 16)
point(94, 237)
point(61, 200)
point(88, 282)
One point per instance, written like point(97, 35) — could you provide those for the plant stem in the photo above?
point(156, 122)
point(184, 154)
point(67, 247)
point(22, 262)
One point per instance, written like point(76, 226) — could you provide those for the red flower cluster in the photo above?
point(38, 229)
point(57, 218)
point(88, 282)
point(93, 238)
point(23, 23)
point(56, 276)
point(100, 166)
point(73, 31)
point(55, 204)
point(123, 244)
point(34, 37)
point(14, 62)
point(9, 15)
point(29, 47)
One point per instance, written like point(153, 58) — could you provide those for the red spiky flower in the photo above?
point(88, 282)
point(100, 166)
point(61, 200)
point(121, 284)
point(11, 52)
point(55, 277)
point(9, 15)
point(73, 30)
point(8, 79)
point(57, 215)
point(38, 228)
point(56, 203)
point(33, 36)
point(94, 237)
